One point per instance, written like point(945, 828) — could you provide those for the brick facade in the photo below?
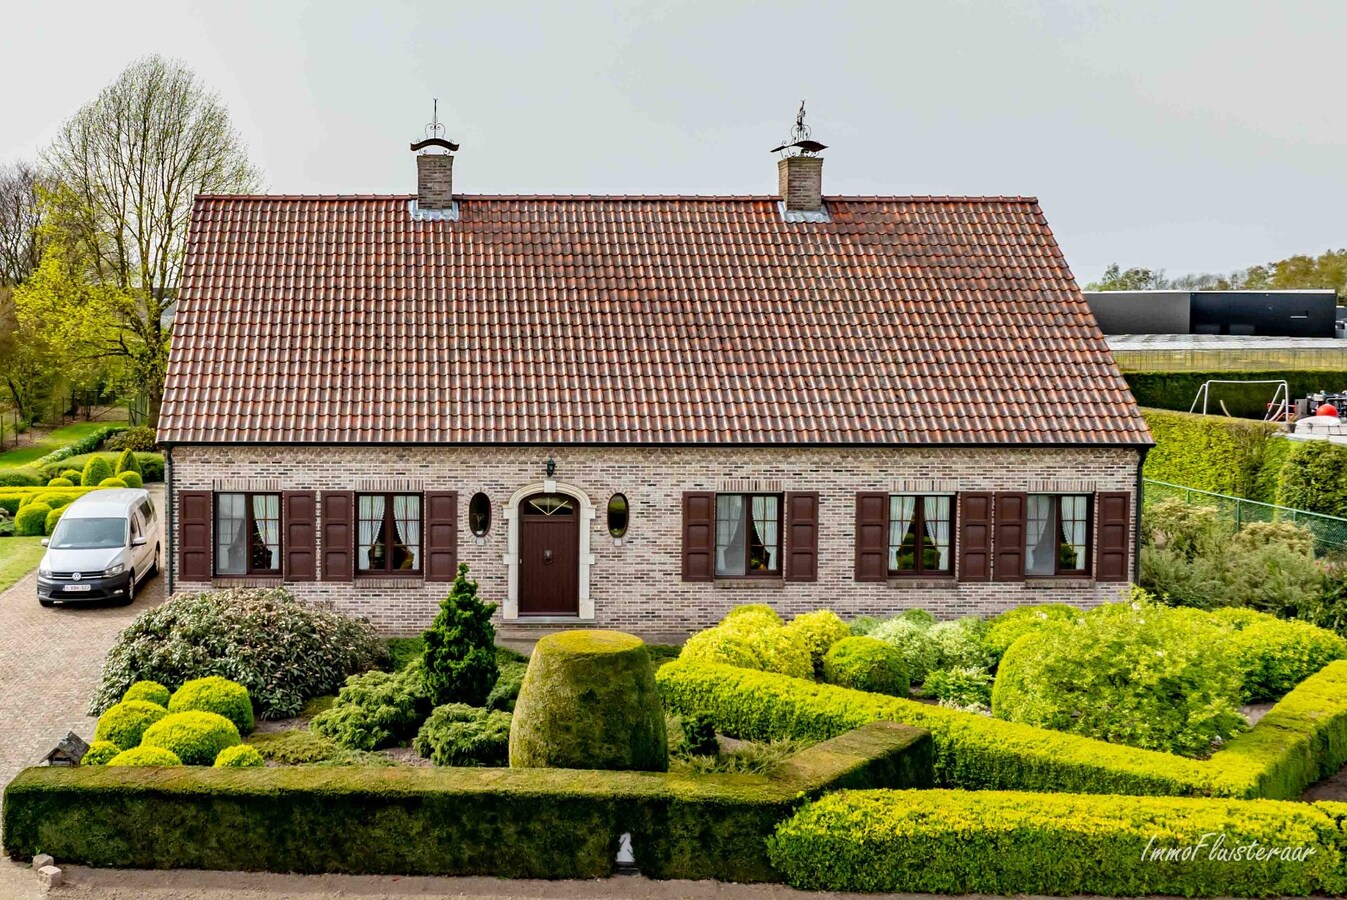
point(435, 180)
point(800, 182)
point(636, 584)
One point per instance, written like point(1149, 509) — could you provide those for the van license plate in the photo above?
point(71, 588)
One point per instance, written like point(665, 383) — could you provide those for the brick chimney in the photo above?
point(434, 181)
point(800, 181)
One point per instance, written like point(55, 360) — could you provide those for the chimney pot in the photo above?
point(800, 182)
point(434, 181)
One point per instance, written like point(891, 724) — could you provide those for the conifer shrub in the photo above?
point(460, 735)
point(589, 702)
point(377, 709)
point(460, 655)
point(218, 695)
point(239, 756)
point(96, 471)
point(99, 753)
point(152, 691)
point(124, 723)
point(196, 737)
point(145, 756)
point(127, 462)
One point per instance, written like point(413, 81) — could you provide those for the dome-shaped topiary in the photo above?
point(152, 691)
point(127, 462)
point(125, 723)
point(112, 483)
point(195, 737)
point(131, 479)
point(716, 645)
point(53, 517)
point(589, 702)
point(866, 664)
point(72, 476)
point(218, 695)
point(58, 481)
point(96, 470)
point(31, 520)
point(145, 756)
point(99, 753)
point(819, 630)
point(240, 756)
point(751, 617)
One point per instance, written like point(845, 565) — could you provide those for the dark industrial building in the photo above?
point(1261, 313)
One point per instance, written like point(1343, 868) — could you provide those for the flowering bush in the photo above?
point(282, 651)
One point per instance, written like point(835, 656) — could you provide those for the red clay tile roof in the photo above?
point(663, 320)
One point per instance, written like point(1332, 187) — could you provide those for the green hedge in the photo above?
point(11, 498)
point(1314, 478)
point(994, 842)
point(510, 823)
point(1215, 453)
point(1302, 738)
point(1176, 390)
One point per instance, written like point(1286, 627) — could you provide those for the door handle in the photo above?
point(547, 556)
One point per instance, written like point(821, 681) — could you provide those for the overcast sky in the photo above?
point(1193, 136)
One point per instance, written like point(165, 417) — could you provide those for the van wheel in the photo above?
point(154, 567)
point(130, 596)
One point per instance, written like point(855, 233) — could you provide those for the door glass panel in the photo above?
point(549, 505)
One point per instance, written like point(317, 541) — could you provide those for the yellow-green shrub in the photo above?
point(753, 636)
point(131, 479)
point(96, 470)
point(112, 483)
point(218, 695)
point(194, 737)
point(1009, 626)
point(124, 723)
point(995, 842)
point(152, 691)
point(145, 756)
point(240, 756)
point(1274, 655)
point(53, 517)
point(99, 753)
point(31, 520)
point(866, 664)
point(60, 482)
point(819, 630)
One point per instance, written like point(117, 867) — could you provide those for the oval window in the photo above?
point(618, 514)
point(479, 514)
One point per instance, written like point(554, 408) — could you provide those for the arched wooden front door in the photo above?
point(549, 556)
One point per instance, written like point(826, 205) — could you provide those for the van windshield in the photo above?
point(88, 534)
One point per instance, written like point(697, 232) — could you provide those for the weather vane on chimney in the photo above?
point(435, 132)
point(798, 140)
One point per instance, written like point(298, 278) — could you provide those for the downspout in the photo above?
point(1141, 485)
point(169, 531)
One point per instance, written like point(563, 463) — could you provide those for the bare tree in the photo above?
point(20, 222)
point(127, 166)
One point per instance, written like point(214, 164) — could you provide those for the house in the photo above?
point(640, 411)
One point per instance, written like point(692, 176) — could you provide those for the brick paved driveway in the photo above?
point(50, 660)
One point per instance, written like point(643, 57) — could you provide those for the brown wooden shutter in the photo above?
point(975, 536)
point(194, 535)
point(1008, 535)
point(441, 535)
point(802, 536)
point(338, 535)
point(1114, 548)
point(872, 536)
point(699, 536)
point(301, 535)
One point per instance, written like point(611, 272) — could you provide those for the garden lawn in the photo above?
point(18, 557)
point(54, 440)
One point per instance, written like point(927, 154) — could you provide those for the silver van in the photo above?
point(104, 547)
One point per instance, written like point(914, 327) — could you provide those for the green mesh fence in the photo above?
point(1330, 532)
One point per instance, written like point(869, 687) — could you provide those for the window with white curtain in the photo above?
point(247, 534)
point(1058, 534)
point(748, 535)
point(388, 533)
point(921, 534)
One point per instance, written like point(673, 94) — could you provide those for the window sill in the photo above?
point(225, 582)
point(767, 584)
point(1059, 581)
point(906, 583)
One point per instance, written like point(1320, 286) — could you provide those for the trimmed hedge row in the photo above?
point(1215, 453)
point(11, 498)
point(994, 842)
point(1176, 390)
point(512, 823)
point(1302, 738)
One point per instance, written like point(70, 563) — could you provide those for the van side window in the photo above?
point(136, 528)
point(146, 510)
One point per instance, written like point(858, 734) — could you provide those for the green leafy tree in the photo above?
point(127, 167)
point(460, 656)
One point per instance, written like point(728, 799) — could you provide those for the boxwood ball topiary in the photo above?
point(866, 664)
point(240, 756)
point(31, 520)
point(145, 756)
point(58, 481)
point(53, 517)
point(131, 479)
point(112, 483)
point(195, 737)
point(589, 702)
point(152, 691)
point(125, 723)
point(72, 476)
point(218, 695)
point(99, 753)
